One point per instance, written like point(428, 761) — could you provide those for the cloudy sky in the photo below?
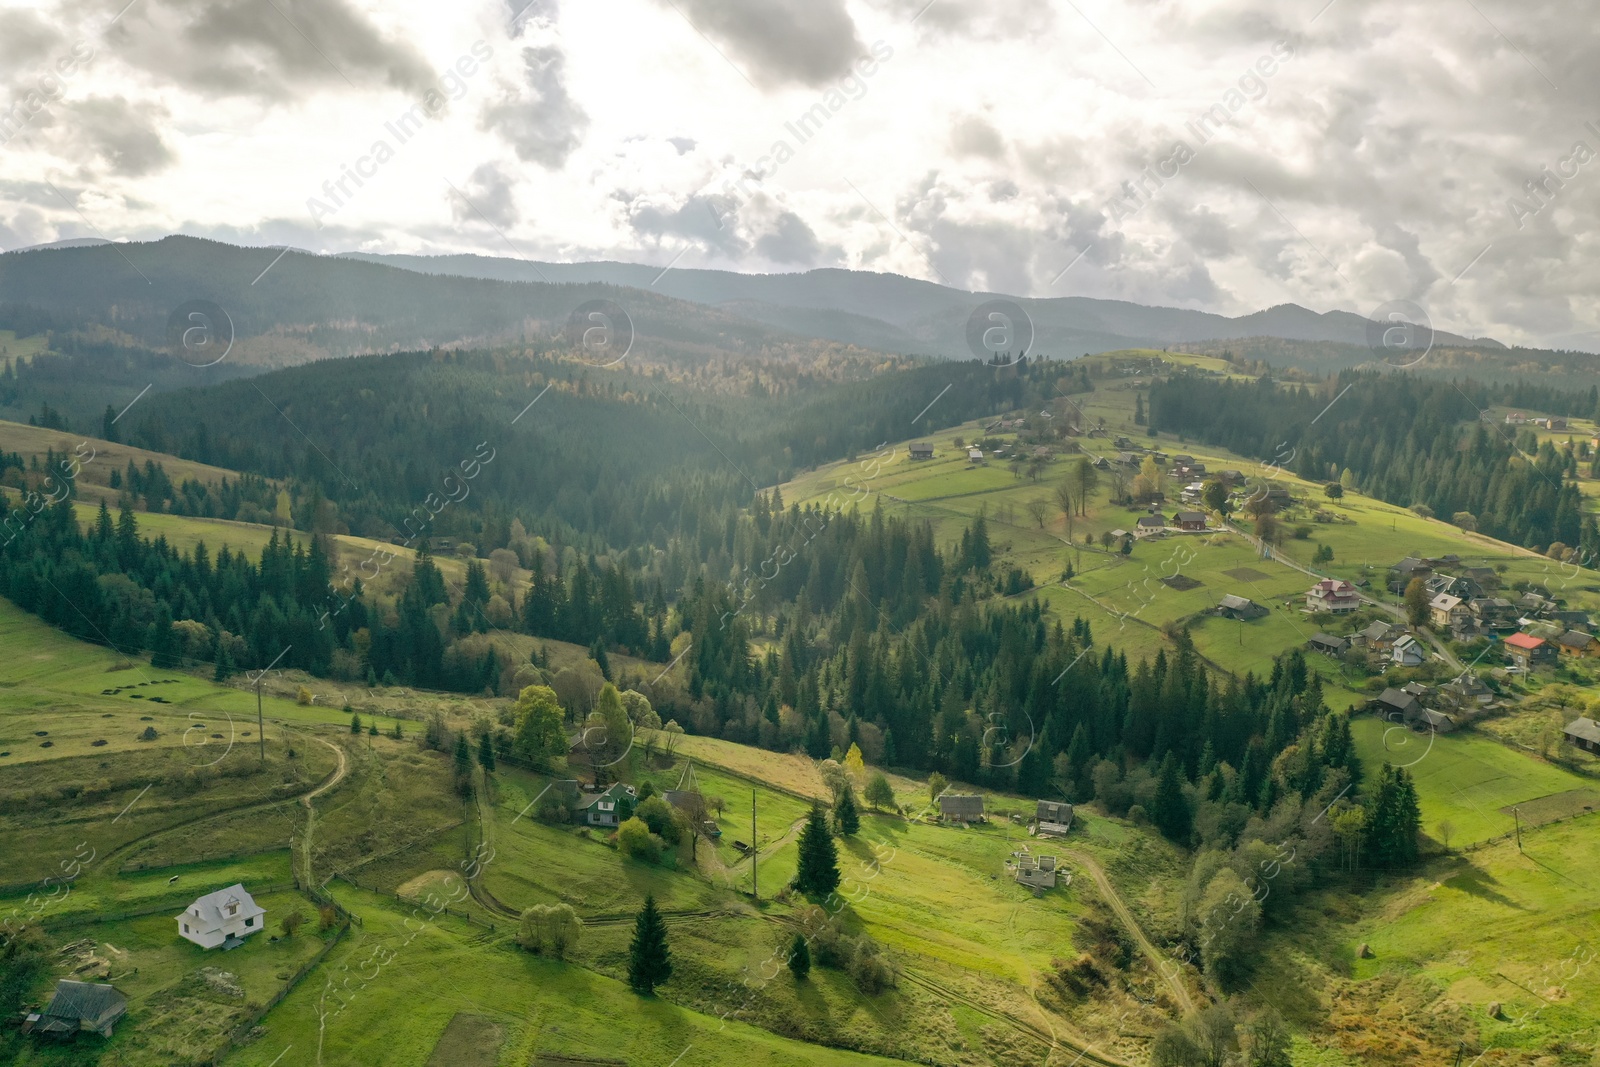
point(1225, 155)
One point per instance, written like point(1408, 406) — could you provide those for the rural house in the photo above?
point(960, 807)
point(975, 455)
point(77, 1007)
point(921, 451)
point(1052, 817)
point(224, 918)
point(1379, 636)
point(1448, 612)
point(1407, 651)
point(603, 808)
point(1422, 718)
point(1149, 524)
point(1401, 573)
point(1577, 644)
point(1238, 607)
point(1584, 733)
point(1333, 595)
point(1327, 644)
point(1395, 705)
point(1190, 520)
point(1527, 651)
point(1465, 693)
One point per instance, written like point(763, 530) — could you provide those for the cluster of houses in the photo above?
point(1158, 523)
point(1382, 643)
point(1517, 418)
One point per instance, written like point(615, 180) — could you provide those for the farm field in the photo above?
point(1471, 781)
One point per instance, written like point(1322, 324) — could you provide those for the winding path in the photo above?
point(1114, 900)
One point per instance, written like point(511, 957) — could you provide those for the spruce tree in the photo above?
point(649, 959)
point(224, 663)
point(355, 724)
point(846, 818)
point(486, 752)
point(799, 958)
point(819, 859)
point(1170, 809)
point(463, 756)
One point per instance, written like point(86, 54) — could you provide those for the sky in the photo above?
point(1226, 156)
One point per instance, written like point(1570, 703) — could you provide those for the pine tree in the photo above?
point(819, 858)
point(846, 818)
point(799, 958)
point(463, 756)
point(355, 724)
point(1170, 809)
point(649, 959)
point(486, 752)
point(224, 663)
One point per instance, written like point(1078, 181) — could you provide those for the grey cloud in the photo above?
point(811, 42)
point(684, 145)
point(27, 41)
point(791, 241)
point(710, 221)
point(974, 19)
point(974, 135)
point(279, 50)
point(543, 124)
point(491, 192)
point(124, 135)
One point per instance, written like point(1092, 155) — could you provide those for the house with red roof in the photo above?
point(1527, 651)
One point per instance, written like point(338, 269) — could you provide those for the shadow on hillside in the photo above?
point(1480, 883)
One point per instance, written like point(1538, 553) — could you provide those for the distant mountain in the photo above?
point(887, 311)
point(74, 242)
point(291, 307)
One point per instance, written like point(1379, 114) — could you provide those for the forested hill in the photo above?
point(305, 307)
point(1406, 440)
point(616, 457)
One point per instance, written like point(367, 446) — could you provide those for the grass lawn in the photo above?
point(1466, 779)
point(438, 969)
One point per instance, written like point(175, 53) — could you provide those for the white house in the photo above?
point(1333, 595)
point(1408, 652)
point(215, 919)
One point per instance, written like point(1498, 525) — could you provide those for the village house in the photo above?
point(604, 808)
point(1121, 442)
point(1334, 595)
point(921, 451)
point(1465, 693)
point(1193, 493)
point(1052, 817)
point(1493, 613)
point(1449, 584)
point(1378, 636)
point(1516, 418)
point(1572, 620)
point(1395, 705)
point(1527, 651)
point(1148, 525)
point(1327, 644)
point(1101, 463)
point(1584, 733)
point(1433, 721)
point(1577, 644)
point(224, 918)
point(975, 455)
point(1401, 573)
point(1407, 651)
point(78, 1007)
point(1230, 477)
point(1534, 606)
point(1448, 612)
point(960, 807)
point(1190, 520)
point(1238, 607)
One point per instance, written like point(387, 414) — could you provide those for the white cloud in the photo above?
point(1376, 164)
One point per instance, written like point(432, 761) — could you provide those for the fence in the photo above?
point(240, 1034)
point(395, 895)
point(94, 918)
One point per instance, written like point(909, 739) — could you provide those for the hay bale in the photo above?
point(1365, 951)
point(1494, 1010)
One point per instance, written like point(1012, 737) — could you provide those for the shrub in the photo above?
point(550, 928)
point(658, 815)
point(303, 696)
point(635, 839)
point(291, 923)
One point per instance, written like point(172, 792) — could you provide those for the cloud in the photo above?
point(777, 42)
point(540, 120)
point(281, 50)
point(791, 241)
point(491, 192)
point(709, 221)
point(974, 135)
point(124, 135)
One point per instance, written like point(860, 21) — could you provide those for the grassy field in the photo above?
point(1472, 781)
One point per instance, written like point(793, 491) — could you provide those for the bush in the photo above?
point(635, 839)
point(551, 928)
point(659, 816)
point(303, 696)
point(291, 923)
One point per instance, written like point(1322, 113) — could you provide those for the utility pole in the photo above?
point(755, 879)
point(261, 736)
